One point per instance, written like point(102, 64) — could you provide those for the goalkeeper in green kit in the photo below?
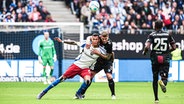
point(47, 55)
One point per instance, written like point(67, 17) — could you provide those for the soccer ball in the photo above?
point(94, 6)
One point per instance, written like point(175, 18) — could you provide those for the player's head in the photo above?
point(95, 39)
point(104, 37)
point(46, 35)
point(158, 25)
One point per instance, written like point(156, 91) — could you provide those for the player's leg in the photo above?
point(86, 75)
point(155, 72)
point(70, 73)
point(108, 71)
point(51, 64)
point(44, 75)
point(85, 86)
point(53, 84)
point(164, 70)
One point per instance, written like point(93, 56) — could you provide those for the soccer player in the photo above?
point(160, 56)
point(47, 55)
point(102, 63)
point(80, 67)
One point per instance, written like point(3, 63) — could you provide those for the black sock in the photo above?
point(111, 86)
point(155, 88)
point(165, 82)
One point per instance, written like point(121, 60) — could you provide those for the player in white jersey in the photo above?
point(80, 67)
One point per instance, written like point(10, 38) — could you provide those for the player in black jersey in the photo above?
point(105, 62)
point(160, 56)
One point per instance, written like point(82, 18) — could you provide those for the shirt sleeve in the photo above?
point(171, 40)
point(109, 48)
point(40, 49)
point(53, 49)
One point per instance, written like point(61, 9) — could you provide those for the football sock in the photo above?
point(111, 86)
point(83, 88)
point(51, 72)
point(56, 82)
point(44, 72)
point(155, 87)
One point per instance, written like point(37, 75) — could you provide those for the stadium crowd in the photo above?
point(24, 11)
point(133, 15)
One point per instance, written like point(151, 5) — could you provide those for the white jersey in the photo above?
point(86, 59)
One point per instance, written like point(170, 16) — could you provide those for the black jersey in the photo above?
point(107, 49)
point(161, 42)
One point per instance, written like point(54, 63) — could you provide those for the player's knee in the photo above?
point(62, 79)
point(164, 75)
point(88, 82)
point(109, 76)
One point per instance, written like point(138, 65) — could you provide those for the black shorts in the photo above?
point(160, 69)
point(107, 67)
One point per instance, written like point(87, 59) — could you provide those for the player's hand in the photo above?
point(55, 58)
point(40, 60)
point(143, 53)
point(95, 51)
point(57, 39)
point(88, 46)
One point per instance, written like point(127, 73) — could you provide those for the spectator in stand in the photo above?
point(146, 8)
point(136, 7)
point(175, 26)
point(114, 29)
point(85, 13)
point(180, 4)
point(8, 18)
point(19, 18)
point(106, 7)
point(181, 14)
point(152, 6)
point(104, 27)
point(3, 15)
point(144, 26)
point(49, 19)
point(138, 21)
point(149, 22)
point(126, 26)
point(103, 14)
point(19, 8)
point(12, 7)
point(40, 6)
point(4, 4)
point(24, 15)
point(30, 7)
point(177, 18)
point(119, 21)
point(75, 8)
point(44, 13)
point(14, 15)
point(181, 30)
point(133, 28)
point(35, 14)
point(126, 6)
point(167, 9)
point(117, 10)
point(172, 14)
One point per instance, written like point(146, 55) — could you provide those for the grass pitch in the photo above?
point(98, 93)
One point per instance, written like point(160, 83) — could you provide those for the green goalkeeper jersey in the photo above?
point(46, 49)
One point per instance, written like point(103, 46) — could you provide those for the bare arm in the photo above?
point(72, 42)
point(104, 56)
point(147, 46)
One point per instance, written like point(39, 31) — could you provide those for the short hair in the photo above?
point(105, 34)
point(158, 24)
